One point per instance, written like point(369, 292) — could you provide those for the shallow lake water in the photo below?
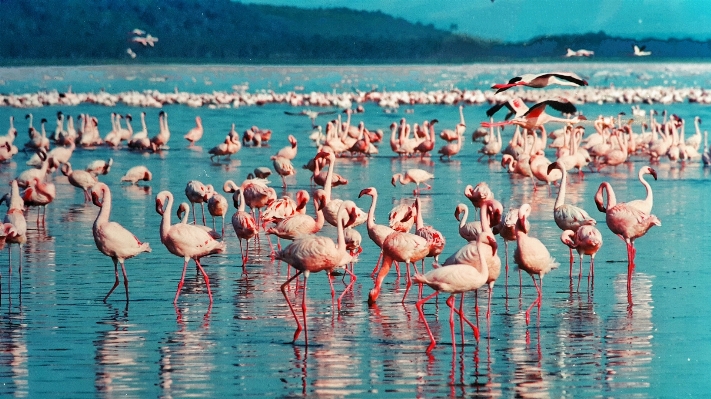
point(58, 339)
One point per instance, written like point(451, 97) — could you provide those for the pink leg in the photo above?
point(202, 205)
point(535, 301)
point(450, 303)
point(571, 261)
point(350, 285)
point(409, 282)
point(194, 219)
point(375, 292)
point(375, 270)
point(330, 282)
point(182, 279)
point(207, 279)
point(580, 272)
point(463, 317)
point(293, 312)
point(422, 314)
point(488, 306)
point(116, 283)
point(125, 278)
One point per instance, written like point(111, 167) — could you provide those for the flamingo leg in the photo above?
point(450, 303)
point(125, 278)
point(571, 261)
point(182, 279)
point(384, 269)
point(293, 312)
point(207, 279)
point(375, 270)
point(488, 305)
point(202, 205)
point(350, 286)
point(330, 282)
point(422, 314)
point(409, 282)
point(303, 309)
point(460, 312)
point(535, 301)
point(580, 273)
point(116, 283)
point(193, 205)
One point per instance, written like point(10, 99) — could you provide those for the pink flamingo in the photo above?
point(400, 218)
point(16, 217)
point(435, 239)
point(456, 279)
point(330, 211)
point(536, 116)
point(195, 133)
point(312, 254)
point(478, 194)
point(646, 204)
point(244, 224)
point(283, 167)
point(136, 174)
point(377, 232)
point(507, 230)
point(217, 206)
point(289, 152)
point(185, 240)
point(468, 231)
point(587, 240)
point(531, 255)
point(79, 179)
point(301, 224)
point(417, 176)
point(319, 176)
point(566, 216)
point(197, 193)
point(39, 194)
point(112, 239)
point(542, 80)
point(183, 213)
point(626, 221)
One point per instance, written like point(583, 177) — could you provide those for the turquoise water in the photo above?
point(58, 339)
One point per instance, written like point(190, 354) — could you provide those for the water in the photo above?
point(59, 339)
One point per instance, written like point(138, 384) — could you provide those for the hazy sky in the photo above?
point(522, 19)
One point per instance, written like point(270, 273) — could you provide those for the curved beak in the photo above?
point(95, 199)
point(653, 173)
point(159, 206)
point(365, 191)
point(551, 167)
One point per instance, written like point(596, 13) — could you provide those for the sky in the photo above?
point(518, 20)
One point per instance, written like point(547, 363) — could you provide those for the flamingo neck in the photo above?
point(560, 200)
point(241, 201)
point(419, 223)
point(371, 211)
point(165, 222)
point(649, 200)
point(105, 211)
point(465, 215)
point(329, 177)
point(483, 267)
point(319, 218)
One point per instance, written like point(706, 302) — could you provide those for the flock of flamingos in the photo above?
point(475, 265)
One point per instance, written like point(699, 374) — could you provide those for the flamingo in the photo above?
point(244, 224)
point(478, 194)
point(283, 167)
point(330, 211)
point(183, 213)
point(531, 255)
point(417, 176)
point(451, 135)
point(112, 239)
point(435, 239)
point(79, 179)
point(38, 194)
point(639, 51)
point(16, 217)
point(195, 133)
point(185, 240)
point(468, 231)
point(161, 139)
point(319, 176)
point(536, 116)
point(217, 206)
point(312, 254)
point(377, 232)
point(289, 152)
point(300, 224)
point(542, 80)
point(566, 216)
point(400, 218)
point(197, 193)
point(136, 174)
point(587, 240)
point(456, 279)
point(99, 167)
point(626, 221)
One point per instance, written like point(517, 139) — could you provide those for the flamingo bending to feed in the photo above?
point(312, 254)
point(195, 133)
point(435, 239)
point(197, 192)
point(401, 218)
point(542, 80)
point(417, 176)
point(531, 255)
point(79, 179)
point(587, 240)
point(185, 240)
point(478, 194)
point(566, 216)
point(301, 224)
point(377, 232)
point(112, 239)
point(626, 221)
point(456, 279)
point(183, 213)
point(39, 194)
point(137, 173)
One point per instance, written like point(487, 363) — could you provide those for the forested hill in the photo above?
point(204, 31)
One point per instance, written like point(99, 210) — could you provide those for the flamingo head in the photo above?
point(292, 140)
point(469, 190)
point(651, 172)
point(160, 205)
point(393, 125)
point(147, 176)
point(395, 178)
point(319, 200)
point(181, 210)
point(352, 210)
point(523, 224)
point(553, 165)
point(567, 238)
point(302, 198)
point(458, 211)
point(95, 195)
point(366, 191)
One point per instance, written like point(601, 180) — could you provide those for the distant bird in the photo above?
point(151, 40)
point(195, 133)
point(131, 53)
point(580, 53)
point(80, 179)
point(100, 167)
point(639, 51)
point(138, 32)
point(542, 80)
point(417, 176)
point(312, 115)
point(111, 238)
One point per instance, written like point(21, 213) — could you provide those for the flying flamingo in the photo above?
point(185, 240)
point(626, 221)
point(542, 80)
point(536, 116)
point(566, 216)
point(111, 238)
point(587, 240)
point(377, 232)
point(195, 133)
point(312, 254)
point(456, 279)
point(417, 176)
point(244, 224)
point(79, 179)
point(531, 255)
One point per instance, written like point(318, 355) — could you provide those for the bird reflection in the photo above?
point(186, 357)
point(13, 356)
point(137, 191)
point(118, 353)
